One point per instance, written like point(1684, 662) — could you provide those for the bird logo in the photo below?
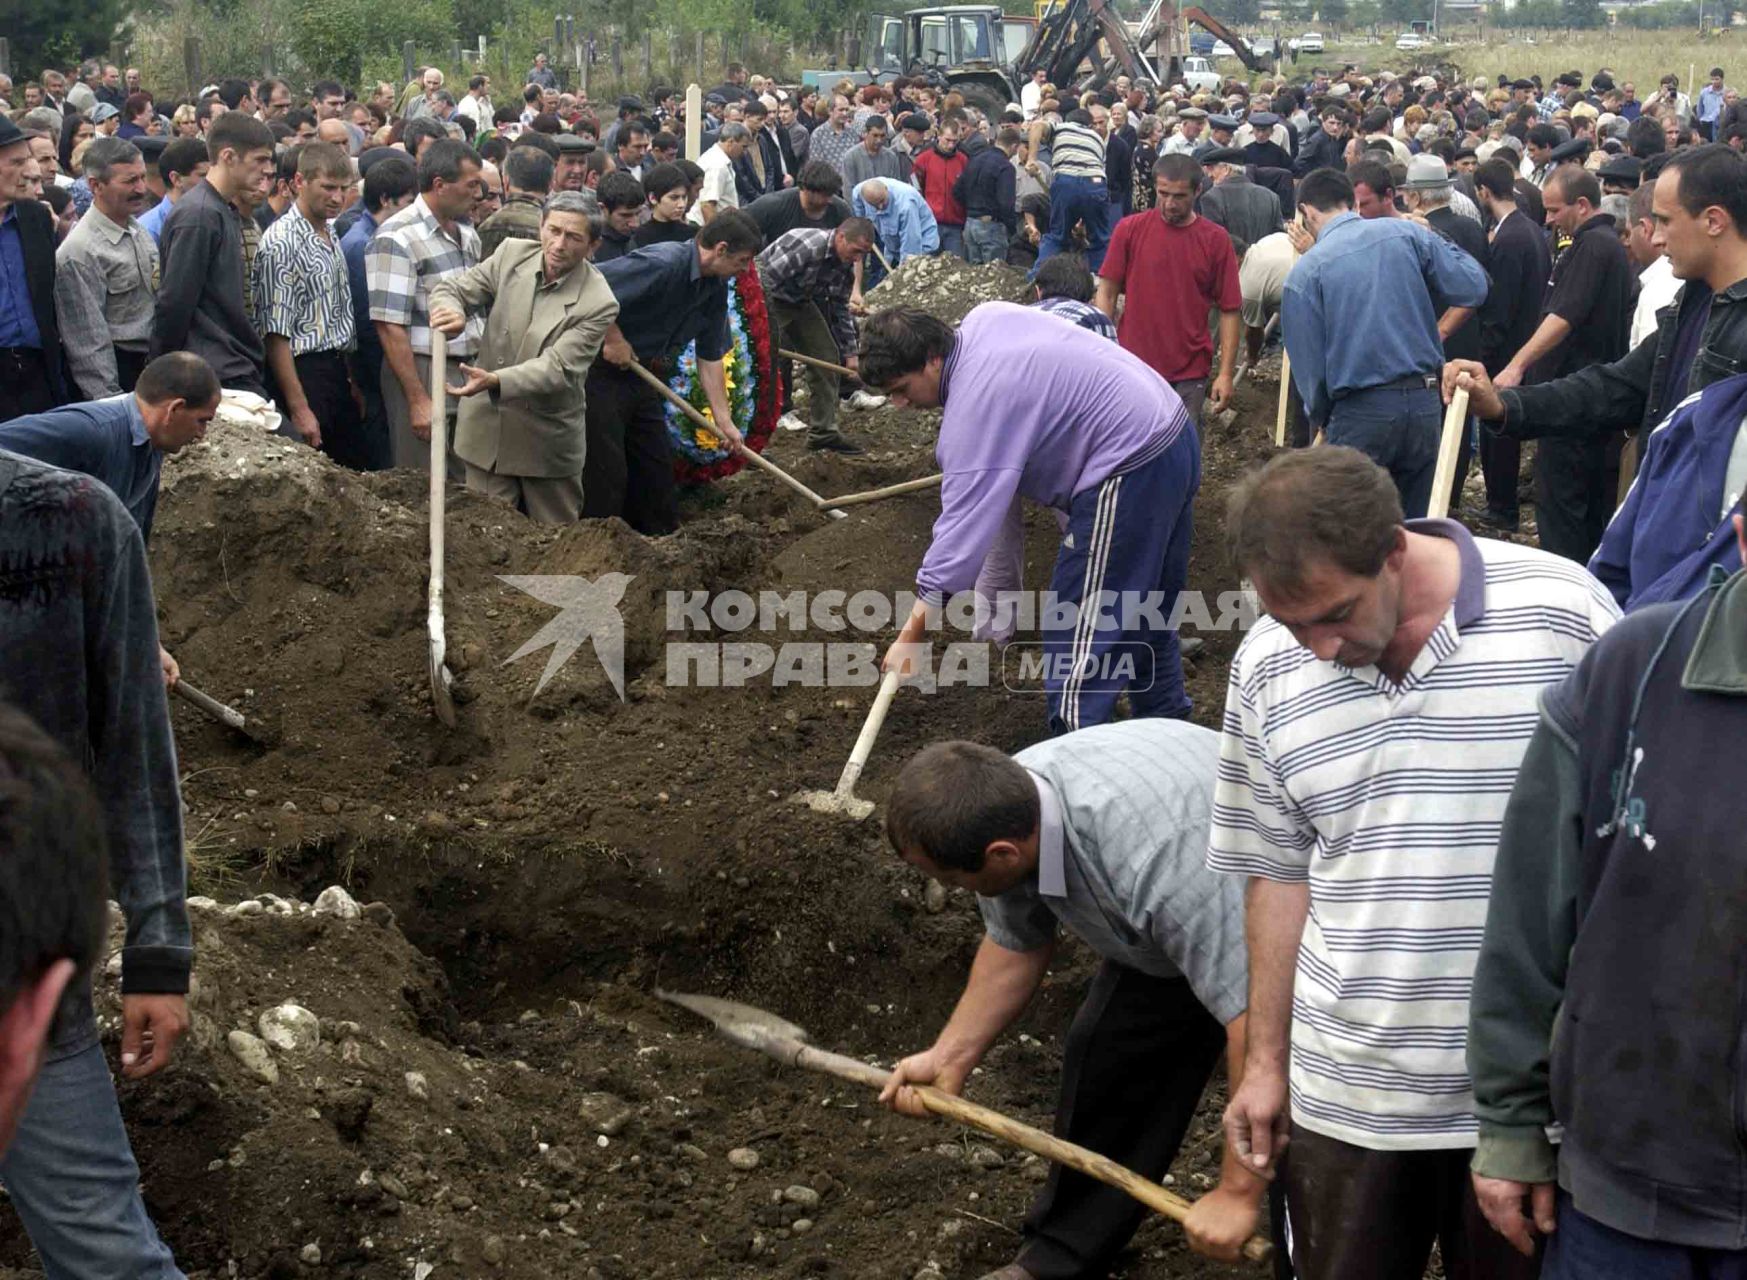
point(589, 612)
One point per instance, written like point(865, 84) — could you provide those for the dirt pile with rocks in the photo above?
point(484, 1084)
point(947, 287)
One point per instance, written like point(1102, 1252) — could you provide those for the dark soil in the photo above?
point(548, 863)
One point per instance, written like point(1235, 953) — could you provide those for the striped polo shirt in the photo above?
point(1077, 152)
point(1389, 801)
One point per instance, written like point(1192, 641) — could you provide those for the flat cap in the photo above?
point(1223, 155)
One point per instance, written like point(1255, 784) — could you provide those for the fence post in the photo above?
point(648, 61)
point(694, 121)
point(191, 63)
point(618, 60)
point(407, 53)
point(698, 40)
point(585, 70)
point(267, 59)
point(745, 36)
point(5, 56)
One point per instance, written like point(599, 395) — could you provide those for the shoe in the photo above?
point(792, 422)
point(1012, 1271)
point(866, 400)
point(1189, 646)
point(1499, 520)
point(835, 443)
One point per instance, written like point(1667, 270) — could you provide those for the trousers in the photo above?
point(800, 326)
point(1573, 497)
point(985, 240)
point(1584, 1249)
point(547, 499)
point(629, 467)
point(1359, 1214)
point(1135, 1063)
point(1072, 200)
point(1127, 537)
point(72, 1177)
point(406, 449)
point(1398, 428)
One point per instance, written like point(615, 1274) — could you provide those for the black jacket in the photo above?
point(1319, 151)
point(1632, 393)
point(36, 237)
point(1466, 235)
point(200, 291)
point(985, 188)
point(1521, 265)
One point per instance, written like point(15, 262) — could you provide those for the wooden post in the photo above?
point(1285, 399)
point(727, 54)
point(407, 53)
point(618, 60)
point(191, 63)
point(694, 120)
point(583, 70)
point(455, 60)
point(5, 56)
point(648, 61)
point(745, 36)
point(267, 59)
point(698, 70)
point(672, 58)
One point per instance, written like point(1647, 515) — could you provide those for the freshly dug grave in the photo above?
point(947, 287)
point(547, 864)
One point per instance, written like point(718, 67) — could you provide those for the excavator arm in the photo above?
point(1219, 31)
point(1068, 35)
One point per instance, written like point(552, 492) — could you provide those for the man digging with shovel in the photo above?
point(1102, 831)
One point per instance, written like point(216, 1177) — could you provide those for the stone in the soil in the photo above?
point(290, 1028)
point(310, 1254)
point(493, 1251)
point(934, 897)
point(986, 1158)
point(800, 1226)
point(417, 1085)
point(335, 901)
point(256, 1057)
point(743, 1158)
point(805, 1197)
point(604, 1113)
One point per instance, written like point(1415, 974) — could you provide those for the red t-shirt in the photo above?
point(1173, 276)
point(935, 175)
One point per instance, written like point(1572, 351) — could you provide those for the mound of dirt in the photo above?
point(947, 287)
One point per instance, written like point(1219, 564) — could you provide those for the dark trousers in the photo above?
point(629, 467)
point(1135, 1064)
point(373, 435)
point(1358, 1214)
point(1573, 500)
point(24, 383)
point(128, 367)
point(1398, 428)
point(327, 385)
point(1501, 459)
point(1584, 1249)
point(802, 327)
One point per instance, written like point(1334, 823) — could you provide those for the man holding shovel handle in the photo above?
point(1102, 831)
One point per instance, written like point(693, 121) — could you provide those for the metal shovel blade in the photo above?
point(849, 805)
point(744, 1024)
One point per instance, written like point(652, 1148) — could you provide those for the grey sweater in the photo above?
point(200, 296)
point(80, 656)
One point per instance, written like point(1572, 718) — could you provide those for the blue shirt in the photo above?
point(153, 219)
point(1710, 104)
point(906, 225)
point(1389, 276)
point(17, 317)
point(352, 246)
point(666, 302)
point(103, 439)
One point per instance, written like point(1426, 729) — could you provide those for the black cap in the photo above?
point(1466, 153)
point(630, 102)
point(372, 155)
point(1621, 169)
point(915, 120)
point(151, 145)
point(573, 142)
point(1574, 151)
point(1522, 84)
point(9, 132)
point(1223, 155)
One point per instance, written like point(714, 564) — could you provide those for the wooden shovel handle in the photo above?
point(212, 706)
point(842, 371)
point(1025, 1137)
point(1449, 450)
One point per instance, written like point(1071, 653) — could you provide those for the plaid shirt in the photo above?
point(803, 266)
point(301, 292)
point(410, 253)
point(1087, 317)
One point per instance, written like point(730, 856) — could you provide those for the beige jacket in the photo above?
point(540, 341)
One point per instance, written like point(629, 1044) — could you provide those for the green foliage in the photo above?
point(1402, 12)
point(59, 34)
point(1332, 13)
point(329, 37)
point(1661, 17)
point(1365, 14)
point(1582, 15)
point(1240, 11)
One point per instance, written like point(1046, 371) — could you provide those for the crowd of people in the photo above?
point(1403, 893)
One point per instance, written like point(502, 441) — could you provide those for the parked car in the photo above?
point(1263, 47)
point(1199, 75)
point(1409, 40)
point(1223, 50)
point(1310, 42)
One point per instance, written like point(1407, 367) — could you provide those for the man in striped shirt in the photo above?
point(1078, 193)
point(1374, 725)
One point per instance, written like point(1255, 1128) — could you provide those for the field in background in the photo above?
point(1641, 57)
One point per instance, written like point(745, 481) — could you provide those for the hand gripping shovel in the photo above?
point(777, 1038)
point(844, 800)
point(441, 680)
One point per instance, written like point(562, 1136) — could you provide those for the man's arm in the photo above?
point(1452, 319)
point(398, 354)
point(1594, 402)
point(569, 355)
point(1519, 978)
point(80, 291)
point(1224, 1219)
point(1547, 336)
point(134, 768)
point(1258, 1121)
point(1301, 327)
point(1231, 329)
point(189, 248)
point(1001, 984)
point(284, 368)
point(1105, 297)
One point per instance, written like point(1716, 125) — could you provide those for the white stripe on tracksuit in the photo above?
point(1086, 624)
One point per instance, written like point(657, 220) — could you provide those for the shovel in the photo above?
point(778, 1038)
point(1449, 451)
point(751, 455)
point(230, 717)
point(441, 680)
point(844, 800)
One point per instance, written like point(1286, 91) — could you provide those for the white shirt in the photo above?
point(1656, 289)
point(478, 110)
point(718, 186)
point(1030, 98)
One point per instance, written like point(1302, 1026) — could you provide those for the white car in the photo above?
point(1310, 42)
point(1199, 75)
point(1223, 50)
point(1409, 40)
